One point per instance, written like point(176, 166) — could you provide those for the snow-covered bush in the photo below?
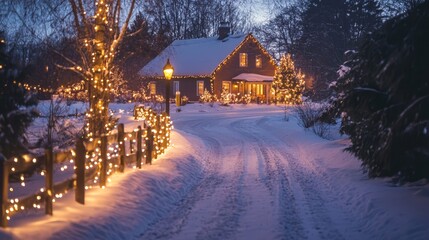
point(308, 114)
point(207, 97)
point(246, 98)
point(225, 98)
point(321, 129)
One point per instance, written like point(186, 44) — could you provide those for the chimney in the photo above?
point(223, 30)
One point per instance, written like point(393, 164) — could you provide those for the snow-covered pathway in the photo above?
point(238, 172)
point(254, 186)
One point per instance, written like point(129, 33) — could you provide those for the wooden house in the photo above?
point(234, 63)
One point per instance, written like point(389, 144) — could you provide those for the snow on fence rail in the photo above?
point(93, 162)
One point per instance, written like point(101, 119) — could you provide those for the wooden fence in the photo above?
point(94, 161)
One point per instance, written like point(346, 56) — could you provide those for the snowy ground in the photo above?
point(239, 172)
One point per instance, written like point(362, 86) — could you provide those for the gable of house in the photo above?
point(193, 57)
point(249, 62)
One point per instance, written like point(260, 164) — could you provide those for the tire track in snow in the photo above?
point(314, 179)
point(225, 222)
point(277, 183)
point(171, 225)
point(307, 187)
point(222, 217)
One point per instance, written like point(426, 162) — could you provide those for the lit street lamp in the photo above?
point(168, 73)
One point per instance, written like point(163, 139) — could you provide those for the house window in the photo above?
point(152, 88)
point(200, 88)
point(243, 59)
point(258, 61)
point(176, 87)
point(226, 86)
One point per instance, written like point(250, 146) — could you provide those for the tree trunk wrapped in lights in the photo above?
point(288, 84)
point(99, 38)
point(99, 84)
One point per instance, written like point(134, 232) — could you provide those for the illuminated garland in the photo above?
point(161, 127)
point(36, 88)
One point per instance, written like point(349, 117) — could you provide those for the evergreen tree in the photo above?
point(329, 29)
point(320, 49)
point(288, 85)
point(383, 98)
point(16, 112)
point(364, 17)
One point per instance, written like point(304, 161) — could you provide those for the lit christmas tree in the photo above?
point(288, 84)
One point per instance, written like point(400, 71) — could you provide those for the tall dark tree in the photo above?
point(364, 17)
point(140, 45)
point(384, 98)
point(16, 111)
point(329, 29)
point(324, 40)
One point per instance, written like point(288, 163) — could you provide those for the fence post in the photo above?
point(80, 171)
point(121, 143)
point(4, 182)
point(103, 170)
point(149, 145)
point(139, 148)
point(49, 192)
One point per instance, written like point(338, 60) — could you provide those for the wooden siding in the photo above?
point(232, 67)
point(187, 87)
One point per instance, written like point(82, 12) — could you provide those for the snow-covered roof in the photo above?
point(193, 57)
point(253, 77)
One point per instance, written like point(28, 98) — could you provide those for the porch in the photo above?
point(256, 85)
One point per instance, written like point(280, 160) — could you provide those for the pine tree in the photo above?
point(16, 112)
point(383, 98)
point(320, 49)
point(288, 84)
point(364, 17)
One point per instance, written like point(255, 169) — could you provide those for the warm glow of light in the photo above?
point(168, 70)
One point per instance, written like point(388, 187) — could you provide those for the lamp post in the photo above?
point(168, 73)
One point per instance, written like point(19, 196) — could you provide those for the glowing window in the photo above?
point(243, 59)
point(176, 87)
point(258, 61)
point(226, 85)
point(152, 88)
point(200, 88)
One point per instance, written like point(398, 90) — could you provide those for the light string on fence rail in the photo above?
point(159, 126)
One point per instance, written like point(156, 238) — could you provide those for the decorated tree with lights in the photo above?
point(288, 84)
point(225, 97)
point(16, 106)
point(99, 33)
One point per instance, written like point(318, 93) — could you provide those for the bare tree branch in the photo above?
point(115, 42)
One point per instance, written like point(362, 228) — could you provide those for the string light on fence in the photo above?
point(161, 127)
